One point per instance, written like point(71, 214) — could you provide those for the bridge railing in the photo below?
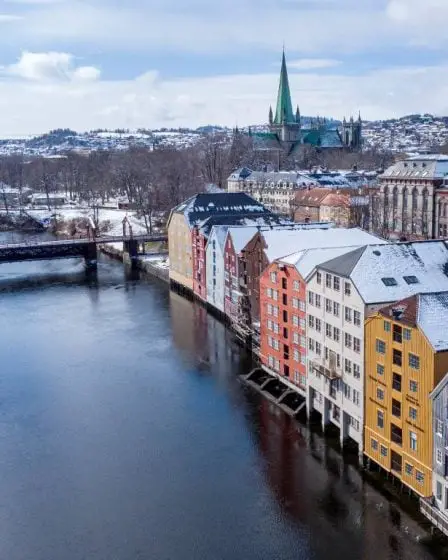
point(82, 241)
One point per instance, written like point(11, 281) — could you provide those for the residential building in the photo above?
point(215, 267)
point(343, 209)
point(411, 201)
point(277, 190)
point(406, 358)
point(341, 294)
point(187, 266)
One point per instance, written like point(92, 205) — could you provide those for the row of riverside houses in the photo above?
point(355, 325)
point(361, 333)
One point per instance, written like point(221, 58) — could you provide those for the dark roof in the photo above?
point(201, 206)
point(252, 219)
point(344, 264)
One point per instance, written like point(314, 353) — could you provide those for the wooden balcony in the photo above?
point(431, 512)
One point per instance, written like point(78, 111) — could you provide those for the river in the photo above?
point(125, 434)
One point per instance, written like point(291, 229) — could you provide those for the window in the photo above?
point(270, 325)
point(311, 298)
point(347, 366)
point(284, 284)
point(285, 316)
point(387, 326)
point(295, 320)
point(328, 280)
point(356, 345)
point(380, 394)
point(285, 299)
point(407, 334)
point(348, 340)
point(336, 283)
point(380, 419)
point(328, 305)
point(409, 469)
point(318, 348)
point(336, 334)
point(414, 361)
point(396, 408)
point(410, 279)
point(356, 397)
point(318, 325)
point(347, 391)
point(296, 285)
point(356, 371)
point(389, 282)
point(439, 490)
point(379, 369)
point(302, 306)
point(383, 451)
point(396, 434)
point(296, 356)
point(397, 357)
point(380, 346)
point(328, 330)
point(396, 382)
point(439, 428)
point(274, 277)
point(275, 295)
point(419, 477)
point(336, 308)
point(311, 321)
point(374, 444)
point(413, 441)
point(348, 314)
point(295, 338)
point(295, 303)
point(319, 277)
point(269, 292)
point(311, 344)
point(353, 423)
point(302, 323)
point(413, 386)
point(270, 309)
point(318, 301)
point(357, 318)
point(412, 413)
point(327, 352)
point(347, 289)
point(275, 309)
point(439, 456)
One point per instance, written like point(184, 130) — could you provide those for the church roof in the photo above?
point(283, 112)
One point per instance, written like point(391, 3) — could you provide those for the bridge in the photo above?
point(69, 248)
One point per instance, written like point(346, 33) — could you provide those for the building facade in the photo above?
point(215, 267)
point(406, 357)
point(411, 200)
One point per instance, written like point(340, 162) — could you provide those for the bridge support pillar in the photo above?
point(131, 248)
point(90, 256)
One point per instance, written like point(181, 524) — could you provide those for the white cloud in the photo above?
point(50, 66)
point(150, 101)
point(313, 63)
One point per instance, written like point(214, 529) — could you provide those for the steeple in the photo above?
point(298, 115)
point(271, 117)
point(284, 113)
point(359, 117)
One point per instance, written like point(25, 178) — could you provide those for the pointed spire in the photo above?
point(359, 117)
point(284, 113)
point(298, 115)
point(345, 120)
point(271, 116)
point(351, 119)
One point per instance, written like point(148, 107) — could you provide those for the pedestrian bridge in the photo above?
point(69, 248)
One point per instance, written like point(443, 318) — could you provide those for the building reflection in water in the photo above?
point(324, 496)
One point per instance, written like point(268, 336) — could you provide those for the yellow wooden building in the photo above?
point(406, 357)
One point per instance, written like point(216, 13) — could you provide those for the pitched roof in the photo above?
point(312, 197)
point(241, 236)
point(392, 272)
point(282, 243)
point(204, 205)
point(433, 166)
point(439, 387)
point(306, 261)
point(243, 220)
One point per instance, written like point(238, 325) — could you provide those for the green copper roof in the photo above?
point(284, 112)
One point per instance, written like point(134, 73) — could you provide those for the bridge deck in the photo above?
point(84, 241)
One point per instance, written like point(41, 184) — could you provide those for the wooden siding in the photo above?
point(180, 251)
point(429, 374)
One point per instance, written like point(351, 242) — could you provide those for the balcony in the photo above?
point(435, 516)
point(327, 370)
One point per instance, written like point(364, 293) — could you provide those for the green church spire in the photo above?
point(284, 113)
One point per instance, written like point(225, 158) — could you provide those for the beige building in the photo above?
point(411, 201)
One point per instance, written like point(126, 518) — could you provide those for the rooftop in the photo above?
point(433, 166)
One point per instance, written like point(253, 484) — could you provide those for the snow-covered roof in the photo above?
point(431, 318)
point(241, 236)
point(388, 273)
point(281, 243)
point(433, 166)
point(306, 261)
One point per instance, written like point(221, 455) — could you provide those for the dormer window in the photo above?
point(389, 282)
point(411, 279)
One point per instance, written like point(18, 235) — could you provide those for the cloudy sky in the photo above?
point(85, 64)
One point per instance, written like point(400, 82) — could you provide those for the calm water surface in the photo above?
point(126, 435)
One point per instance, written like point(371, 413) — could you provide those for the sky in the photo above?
point(88, 64)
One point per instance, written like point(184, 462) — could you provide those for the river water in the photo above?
point(125, 434)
